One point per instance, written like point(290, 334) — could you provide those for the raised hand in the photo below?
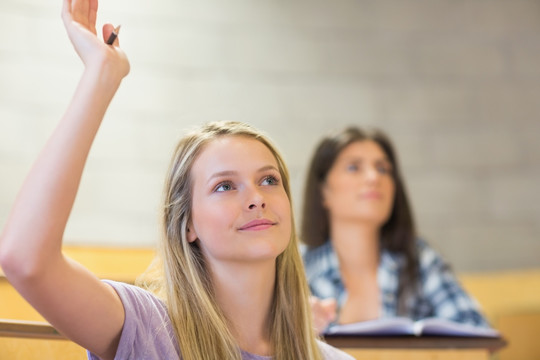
point(79, 18)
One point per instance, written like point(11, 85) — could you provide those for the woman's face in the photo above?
point(240, 211)
point(359, 186)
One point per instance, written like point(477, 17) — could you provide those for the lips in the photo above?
point(259, 224)
point(371, 195)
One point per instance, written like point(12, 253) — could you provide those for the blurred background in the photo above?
point(455, 83)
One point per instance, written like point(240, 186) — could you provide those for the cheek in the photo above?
point(287, 217)
point(282, 205)
point(337, 195)
point(212, 238)
point(282, 208)
point(208, 220)
point(329, 194)
point(328, 198)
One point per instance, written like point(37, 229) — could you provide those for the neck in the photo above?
point(244, 292)
point(357, 247)
point(356, 243)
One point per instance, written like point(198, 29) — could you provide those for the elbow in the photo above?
point(15, 264)
point(8, 260)
point(4, 255)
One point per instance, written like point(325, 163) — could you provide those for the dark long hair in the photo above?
point(397, 235)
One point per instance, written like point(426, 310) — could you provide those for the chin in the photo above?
point(267, 252)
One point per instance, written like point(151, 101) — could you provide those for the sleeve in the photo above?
point(147, 332)
point(443, 291)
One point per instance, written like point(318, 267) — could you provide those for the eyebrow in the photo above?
point(226, 173)
point(361, 159)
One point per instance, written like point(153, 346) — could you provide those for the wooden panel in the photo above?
point(521, 289)
point(35, 340)
point(417, 354)
point(433, 348)
point(13, 305)
point(121, 264)
point(38, 349)
point(522, 332)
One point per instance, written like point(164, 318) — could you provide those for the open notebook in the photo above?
point(405, 326)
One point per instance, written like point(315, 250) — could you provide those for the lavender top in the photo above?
point(148, 333)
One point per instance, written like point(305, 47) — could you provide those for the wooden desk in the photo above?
point(417, 348)
point(31, 340)
point(366, 347)
point(28, 329)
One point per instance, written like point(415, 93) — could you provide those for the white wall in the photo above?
point(456, 83)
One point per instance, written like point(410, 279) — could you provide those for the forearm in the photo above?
point(34, 230)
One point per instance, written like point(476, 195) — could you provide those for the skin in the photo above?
point(358, 194)
point(236, 182)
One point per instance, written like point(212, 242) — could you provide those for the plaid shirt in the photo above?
point(439, 292)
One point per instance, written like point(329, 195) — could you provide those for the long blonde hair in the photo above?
point(202, 330)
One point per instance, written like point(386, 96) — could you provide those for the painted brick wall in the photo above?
point(456, 83)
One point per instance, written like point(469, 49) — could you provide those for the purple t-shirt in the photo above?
point(148, 333)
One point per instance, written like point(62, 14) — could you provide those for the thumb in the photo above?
point(110, 34)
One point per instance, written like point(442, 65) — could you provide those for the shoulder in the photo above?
point(320, 260)
point(137, 299)
point(147, 332)
point(435, 272)
point(329, 352)
point(428, 256)
point(318, 254)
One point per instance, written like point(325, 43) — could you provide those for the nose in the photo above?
point(372, 174)
point(254, 206)
point(256, 200)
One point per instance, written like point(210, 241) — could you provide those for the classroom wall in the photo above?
point(454, 82)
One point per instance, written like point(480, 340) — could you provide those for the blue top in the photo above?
point(148, 334)
point(439, 292)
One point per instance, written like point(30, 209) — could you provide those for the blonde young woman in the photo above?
point(233, 282)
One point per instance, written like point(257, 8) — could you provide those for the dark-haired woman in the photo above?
point(362, 256)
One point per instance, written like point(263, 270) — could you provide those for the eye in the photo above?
point(224, 186)
point(384, 168)
point(270, 180)
point(353, 167)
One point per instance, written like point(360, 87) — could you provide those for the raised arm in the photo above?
point(72, 299)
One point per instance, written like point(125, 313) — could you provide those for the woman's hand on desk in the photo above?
point(324, 312)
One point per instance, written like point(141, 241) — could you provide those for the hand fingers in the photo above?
point(330, 305)
point(83, 12)
point(92, 13)
point(80, 10)
point(326, 308)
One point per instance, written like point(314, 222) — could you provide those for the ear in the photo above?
point(191, 233)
